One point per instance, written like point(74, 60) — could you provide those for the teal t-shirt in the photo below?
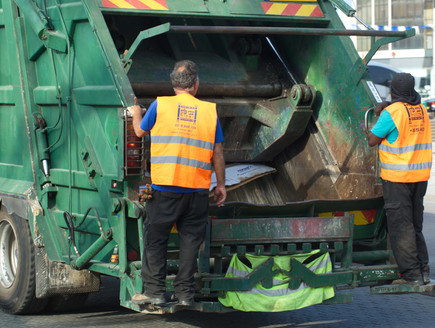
point(385, 127)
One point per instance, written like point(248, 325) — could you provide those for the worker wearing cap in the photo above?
point(403, 133)
point(186, 141)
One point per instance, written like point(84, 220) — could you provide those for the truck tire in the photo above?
point(17, 267)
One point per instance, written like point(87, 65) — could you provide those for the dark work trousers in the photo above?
point(404, 208)
point(190, 212)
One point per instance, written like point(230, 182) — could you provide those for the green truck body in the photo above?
point(291, 92)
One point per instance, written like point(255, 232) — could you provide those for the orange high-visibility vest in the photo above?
point(409, 158)
point(182, 142)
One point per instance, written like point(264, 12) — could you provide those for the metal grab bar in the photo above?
point(366, 118)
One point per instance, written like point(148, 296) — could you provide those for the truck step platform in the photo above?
point(172, 307)
point(404, 289)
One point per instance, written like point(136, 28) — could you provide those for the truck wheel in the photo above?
point(17, 267)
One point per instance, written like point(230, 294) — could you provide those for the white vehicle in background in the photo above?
point(381, 75)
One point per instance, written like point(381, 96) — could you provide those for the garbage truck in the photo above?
point(292, 95)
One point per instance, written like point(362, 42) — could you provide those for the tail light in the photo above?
point(133, 150)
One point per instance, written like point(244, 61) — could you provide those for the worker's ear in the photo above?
point(195, 87)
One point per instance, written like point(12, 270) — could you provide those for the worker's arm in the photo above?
point(137, 113)
point(380, 107)
point(373, 140)
point(383, 127)
point(220, 194)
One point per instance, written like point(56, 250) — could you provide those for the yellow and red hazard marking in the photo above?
point(359, 217)
point(174, 228)
point(136, 4)
point(288, 8)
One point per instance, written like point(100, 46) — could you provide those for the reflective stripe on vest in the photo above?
point(409, 158)
point(407, 149)
point(279, 297)
point(181, 160)
point(182, 142)
point(406, 167)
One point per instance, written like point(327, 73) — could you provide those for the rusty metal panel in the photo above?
point(280, 230)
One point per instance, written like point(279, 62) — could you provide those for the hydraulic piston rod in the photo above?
point(93, 250)
point(286, 31)
point(144, 89)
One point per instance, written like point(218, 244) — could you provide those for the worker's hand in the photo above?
point(136, 109)
point(220, 194)
point(380, 107)
point(147, 193)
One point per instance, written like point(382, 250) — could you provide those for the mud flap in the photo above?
point(55, 278)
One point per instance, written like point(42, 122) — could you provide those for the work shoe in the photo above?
point(182, 301)
point(403, 281)
point(144, 299)
point(185, 302)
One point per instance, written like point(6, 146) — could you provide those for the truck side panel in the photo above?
point(16, 175)
point(74, 100)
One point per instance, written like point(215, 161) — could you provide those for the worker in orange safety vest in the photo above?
point(403, 133)
point(186, 143)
